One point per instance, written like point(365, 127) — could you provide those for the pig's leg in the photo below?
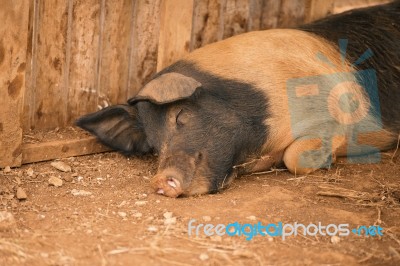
point(306, 155)
point(260, 164)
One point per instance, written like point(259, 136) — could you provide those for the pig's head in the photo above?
point(200, 126)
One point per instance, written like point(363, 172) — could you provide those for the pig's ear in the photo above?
point(118, 127)
point(167, 88)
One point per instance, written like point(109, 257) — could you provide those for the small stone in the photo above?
point(335, 239)
point(122, 214)
point(206, 218)
point(9, 196)
point(61, 166)
point(152, 228)
point(77, 192)
point(170, 221)
point(18, 180)
point(203, 256)
point(123, 203)
point(216, 238)
point(21, 195)
point(140, 203)
point(29, 172)
point(167, 215)
point(7, 221)
point(251, 217)
point(55, 181)
point(74, 175)
point(7, 169)
point(68, 178)
point(270, 239)
point(44, 254)
point(137, 215)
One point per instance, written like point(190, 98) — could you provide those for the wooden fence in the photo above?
point(60, 59)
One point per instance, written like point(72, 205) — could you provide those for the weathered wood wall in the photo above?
point(84, 55)
point(60, 59)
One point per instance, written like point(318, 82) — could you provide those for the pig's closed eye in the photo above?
point(182, 117)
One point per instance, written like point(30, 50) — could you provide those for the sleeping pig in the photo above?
point(299, 97)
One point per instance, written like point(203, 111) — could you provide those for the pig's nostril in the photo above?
point(198, 156)
point(171, 182)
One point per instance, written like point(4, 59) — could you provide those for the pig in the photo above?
point(280, 97)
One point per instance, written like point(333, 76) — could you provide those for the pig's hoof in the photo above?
point(167, 186)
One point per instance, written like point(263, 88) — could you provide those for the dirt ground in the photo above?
point(104, 213)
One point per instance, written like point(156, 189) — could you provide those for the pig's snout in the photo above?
point(168, 183)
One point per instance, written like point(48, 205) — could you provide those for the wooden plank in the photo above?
point(316, 9)
point(14, 17)
point(236, 17)
point(144, 44)
point(28, 111)
point(291, 13)
point(175, 31)
point(48, 104)
point(45, 151)
point(270, 14)
point(255, 14)
point(84, 56)
point(208, 22)
point(115, 40)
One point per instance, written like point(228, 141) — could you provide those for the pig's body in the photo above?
point(262, 98)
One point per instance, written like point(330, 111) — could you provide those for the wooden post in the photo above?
point(14, 17)
point(175, 31)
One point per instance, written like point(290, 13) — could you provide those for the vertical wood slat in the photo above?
point(47, 99)
point(291, 13)
point(144, 44)
point(175, 31)
point(236, 17)
point(28, 109)
point(14, 17)
point(208, 22)
point(256, 8)
point(83, 89)
point(114, 55)
point(316, 9)
point(270, 14)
